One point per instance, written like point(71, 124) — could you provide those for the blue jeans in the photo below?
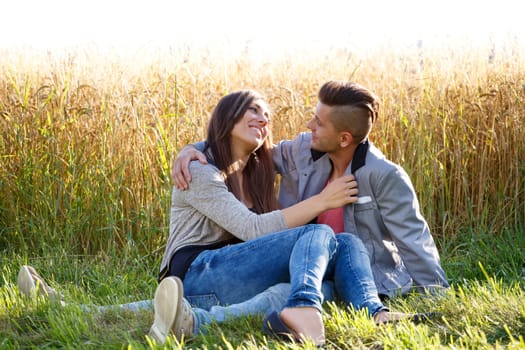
point(348, 279)
point(239, 272)
point(272, 299)
point(352, 275)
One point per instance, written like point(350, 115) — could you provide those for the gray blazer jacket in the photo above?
point(386, 217)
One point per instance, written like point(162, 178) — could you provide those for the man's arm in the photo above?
point(283, 157)
point(285, 152)
point(180, 172)
point(400, 212)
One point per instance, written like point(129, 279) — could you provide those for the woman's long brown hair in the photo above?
point(259, 175)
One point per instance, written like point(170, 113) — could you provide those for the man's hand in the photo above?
point(180, 172)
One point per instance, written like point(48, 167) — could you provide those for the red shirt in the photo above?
point(333, 218)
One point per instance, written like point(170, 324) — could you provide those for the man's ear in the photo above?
point(345, 139)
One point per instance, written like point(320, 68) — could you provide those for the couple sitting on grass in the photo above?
point(232, 252)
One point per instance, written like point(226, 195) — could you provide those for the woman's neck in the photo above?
point(239, 161)
point(238, 166)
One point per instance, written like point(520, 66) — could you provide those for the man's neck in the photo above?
point(340, 160)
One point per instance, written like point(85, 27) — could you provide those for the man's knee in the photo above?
point(349, 238)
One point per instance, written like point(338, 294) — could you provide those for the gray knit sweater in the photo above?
point(207, 213)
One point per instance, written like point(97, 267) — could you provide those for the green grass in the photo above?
point(484, 309)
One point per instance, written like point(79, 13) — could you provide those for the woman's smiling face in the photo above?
point(252, 129)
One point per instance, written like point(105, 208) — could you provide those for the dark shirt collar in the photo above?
point(357, 161)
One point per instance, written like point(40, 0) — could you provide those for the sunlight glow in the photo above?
point(272, 24)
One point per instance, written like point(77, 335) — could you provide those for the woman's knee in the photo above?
point(322, 229)
point(323, 234)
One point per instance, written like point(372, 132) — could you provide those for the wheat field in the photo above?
point(87, 140)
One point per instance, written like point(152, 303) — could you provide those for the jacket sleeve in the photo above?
point(208, 194)
point(399, 208)
point(285, 153)
point(199, 145)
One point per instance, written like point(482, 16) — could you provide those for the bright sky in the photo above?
point(271, 23)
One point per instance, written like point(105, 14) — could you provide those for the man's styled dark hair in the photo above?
point(355, 108)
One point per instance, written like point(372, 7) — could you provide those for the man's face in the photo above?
point(325, 137)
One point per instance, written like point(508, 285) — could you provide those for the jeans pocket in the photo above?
point(203, 301)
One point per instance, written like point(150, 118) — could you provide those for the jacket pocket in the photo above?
point(365, 205)
point(394, 282)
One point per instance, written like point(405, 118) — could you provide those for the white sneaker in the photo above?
point(31, 283)
point(173, 313)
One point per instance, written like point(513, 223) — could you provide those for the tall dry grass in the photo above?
point(87, 140)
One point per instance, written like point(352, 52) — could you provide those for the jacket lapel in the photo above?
point(357, 162)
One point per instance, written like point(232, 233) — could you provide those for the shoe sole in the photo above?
point(168, 305)
point(31, 283)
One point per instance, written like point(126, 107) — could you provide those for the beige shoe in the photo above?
point(30, 282)
point(173, 314)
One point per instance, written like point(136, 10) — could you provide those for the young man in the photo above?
point(386, 217)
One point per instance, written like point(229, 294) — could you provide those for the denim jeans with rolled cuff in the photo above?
point(237, 273)
point(254, 277)
point(256, 284)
